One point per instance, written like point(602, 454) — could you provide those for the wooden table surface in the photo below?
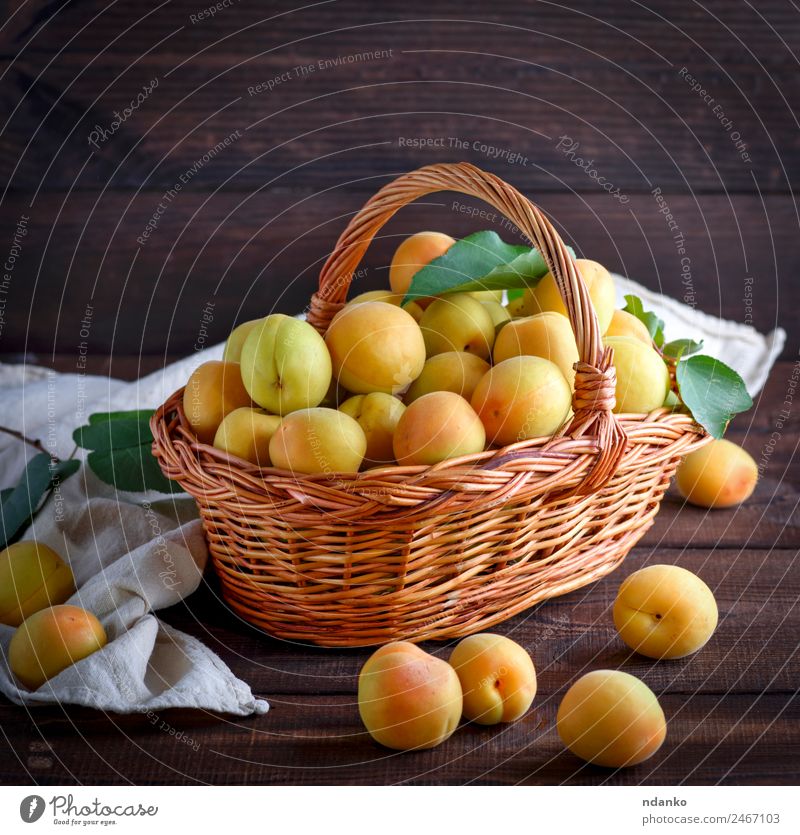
point(732, 709)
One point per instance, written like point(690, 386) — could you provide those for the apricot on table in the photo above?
point(521, 398)
point(285, 365)
point(51, 640)
point(642, 376)
point(455, 371)
point(547, 335)
point(611, 718)
point(665, 611)
point(435, 427)
point(626, 324)
point(235, 341)
point(377, 414)
point(457, 322)
point(497, 678)
point(412, 255)
point(546, 296)
point(318, 440)
point(213, 390)
point(408, 699)
point(32, 576)
point(390, 298)
point(375, 346)
point(246, 433)
point(719, 474)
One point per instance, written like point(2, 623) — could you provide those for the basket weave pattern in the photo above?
point(420, 553)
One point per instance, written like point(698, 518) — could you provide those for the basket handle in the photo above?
point(595, 378)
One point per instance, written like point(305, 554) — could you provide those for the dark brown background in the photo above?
point(250, 230)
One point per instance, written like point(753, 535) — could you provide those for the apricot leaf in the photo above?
point(18, 504)
point(712, 391)
point(481, 261)
point(681, 348)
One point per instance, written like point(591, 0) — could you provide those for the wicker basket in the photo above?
point(421, 553)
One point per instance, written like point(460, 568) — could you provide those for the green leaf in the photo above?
point(654, 325)
point(121, 451)
point(113, 434)
point(515, 293)
point(136, 414)
point(481, 261)
point(712, 392)
point(20, 503)
point(681, 348)
point(131, 468)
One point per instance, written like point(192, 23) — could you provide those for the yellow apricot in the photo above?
point(408, 699)
point(719, 474)
point(485, 296)
point(235, 342)
point(32, 576)
point(497, 678)
point(435, 427)
point(457, 322)
point(642, 376)
point(318, 440)
point(390, 298)
point(517, 307)
point(214, 390)
point(285, 365)
point(377, 414)
point(545, 295)
point(375, 346)
point(51, 640)
point(500, 316)
point(548, 335)
point(612, 719)
point(665, 611)
point(454, 371)
point(246, 433)
point(521, 398)
point(626, 324)
point(413, 254)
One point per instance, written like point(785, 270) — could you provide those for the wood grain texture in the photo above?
point(732, 708)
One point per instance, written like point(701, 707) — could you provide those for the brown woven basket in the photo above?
point(421, 553)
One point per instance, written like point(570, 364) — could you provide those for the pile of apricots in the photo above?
point(436, 379)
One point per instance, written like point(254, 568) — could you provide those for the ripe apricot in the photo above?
point(285, 365)
point(32, 576)
point(246, 433)
point(408, 699)
point(642, 376)
point(435, 427)
point(214, 390)
point(51, 640)
point(318, 440)
point(665, 611)
point(545, 295)
point(500, 316)
point(516, 307)
point(719, 474)
point(454, 371)
point(612, 719)
point(497, 678)
point(547, 335)
point(521, 398)
point(484, 296)
point(375, 346)
point(457, 322)
point(390, 298)
point(235, 342)
point(377, 414)
point(626, 324)
point(413, 254)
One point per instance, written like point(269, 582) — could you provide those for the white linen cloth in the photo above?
point(135, 553)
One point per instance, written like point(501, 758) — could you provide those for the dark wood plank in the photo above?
point(251, 254)
point(514, 76)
